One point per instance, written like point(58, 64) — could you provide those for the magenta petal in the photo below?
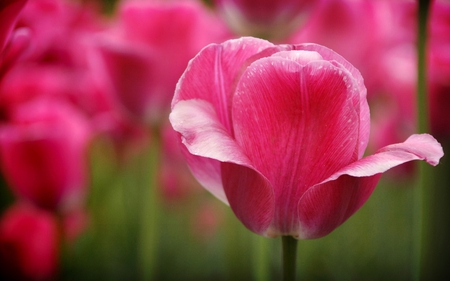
point(212, 75)
point(251, 197)
point(279, 110)
point(327, 205)
point(363, 106)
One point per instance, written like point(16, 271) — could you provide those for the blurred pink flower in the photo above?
point(345, 26)
point(62, 63)
point(278, 132)
point(439, 69)
point(149, 46)
point(176, 181)
point(12, 43)
point(265, 18)
point(9, 11)
point(43, 154)
point(206, 221)
point(28, 244)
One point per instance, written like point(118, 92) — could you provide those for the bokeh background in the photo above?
point(93, 185)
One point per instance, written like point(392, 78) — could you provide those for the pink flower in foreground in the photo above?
point(278, 132)
point(28, 244)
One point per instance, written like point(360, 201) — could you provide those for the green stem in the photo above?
point(422, 100)
point(289, 257)
point(260, 258)
point(151, 209)
point(423, 193)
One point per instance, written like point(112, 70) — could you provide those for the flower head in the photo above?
point(278, 132)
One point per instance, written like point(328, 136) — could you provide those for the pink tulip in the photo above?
point(9, 11)
point(266, 18)
point(12, 42)
point(278, 132)
point(43, 154)
point(28, 244)
point(148, 48)
point(439, 68)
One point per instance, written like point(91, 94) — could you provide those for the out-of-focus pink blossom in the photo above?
point(29, 240)
point(74, 224)
point(439, 68)
point(149, 46)
point(43, 152)
point(9, 10)
point(176, 181)
point(265, 18)
point(278, 132)
point(61, 62)
point(206, 221)
point(12, 43)
point(345, 26)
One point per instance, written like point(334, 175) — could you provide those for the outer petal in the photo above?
point(364, 111)
point(250, 195)
point(327, 205)
point(211, 153)
point(298, 126)
point(213, 74)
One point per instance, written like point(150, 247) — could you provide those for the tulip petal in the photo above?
point(364, 111)
point(327, 205)
point(250, 196)
point(207, 143)
point(213, 155)
point(280, 109)
point(213, 74)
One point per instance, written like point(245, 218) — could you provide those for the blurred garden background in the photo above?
point(94, 186)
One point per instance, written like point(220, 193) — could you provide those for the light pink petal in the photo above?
point(328, 204)
point(416, 147)
point(298, 126)
point(207, 143)
point(364, 112)
point(213, 74)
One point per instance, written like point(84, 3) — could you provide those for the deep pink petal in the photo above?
point(213, 74)
point(328, 204)
point(364, 111)
point(284, 116)
point(250, 195)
